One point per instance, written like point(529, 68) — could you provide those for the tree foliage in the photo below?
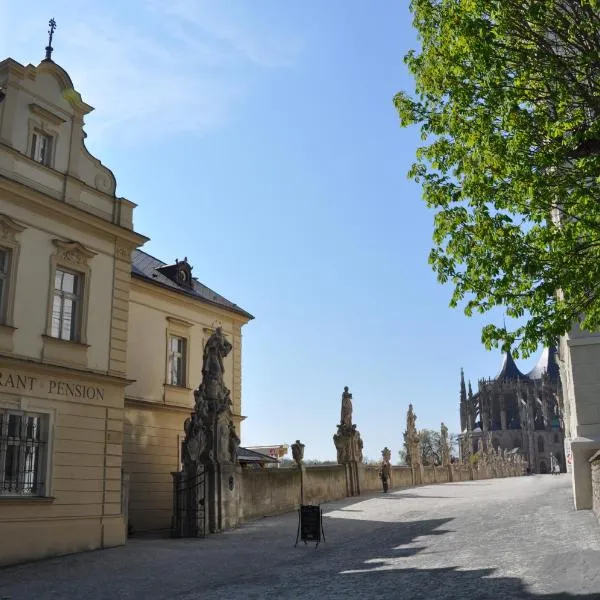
point(507, 97)
point(431, 448)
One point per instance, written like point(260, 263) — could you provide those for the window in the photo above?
point(177, 360)
point(66, 305)
point(22, 453)
point(540, 444)
point(41, 147)
point(4, 281)
point(556, 438)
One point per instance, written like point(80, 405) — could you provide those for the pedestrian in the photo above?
point(554, 466)
point(385, 476)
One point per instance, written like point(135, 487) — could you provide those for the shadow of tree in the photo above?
point(361, 559)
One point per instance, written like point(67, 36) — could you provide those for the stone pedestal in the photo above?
point(348, 444)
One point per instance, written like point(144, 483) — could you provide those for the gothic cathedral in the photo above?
point(517, 412)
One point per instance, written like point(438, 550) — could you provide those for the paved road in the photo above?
point(501, 539)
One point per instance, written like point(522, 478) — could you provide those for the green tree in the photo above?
point(431, 448)
point(507, 97)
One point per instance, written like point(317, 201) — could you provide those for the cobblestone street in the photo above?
point(506, 538)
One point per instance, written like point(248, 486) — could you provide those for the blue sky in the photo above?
point(259, 139)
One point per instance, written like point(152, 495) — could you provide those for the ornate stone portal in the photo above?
point(206, 490)
point(349, 445)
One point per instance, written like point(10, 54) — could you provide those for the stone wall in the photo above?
point(269, 492)
point(273, 491)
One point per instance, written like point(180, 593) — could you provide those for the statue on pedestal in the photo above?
point(349, 445)
point(411, 438)
point(445, 445)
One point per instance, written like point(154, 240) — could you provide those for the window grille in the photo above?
point(22, 453)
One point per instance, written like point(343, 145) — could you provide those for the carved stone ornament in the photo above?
point(73, 252)
point(123, 252)
point(209, 432)
point(9, 228)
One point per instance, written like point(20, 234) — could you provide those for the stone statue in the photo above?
point(445, 445)
point(209, 436)
point(346, 418)
point(213, 386)
point(480, 447)
point(386, 454)
point(298, 453)
point(411, 420)
point(358, 452)
point(411, 438)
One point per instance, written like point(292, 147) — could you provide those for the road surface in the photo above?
point(500, 539)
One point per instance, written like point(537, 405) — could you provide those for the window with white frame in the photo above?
point(66, 305)
point(41, 147)
point(23, 447)
point(177, 361)
point(4, 282)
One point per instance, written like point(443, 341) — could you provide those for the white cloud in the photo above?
point(163, 68)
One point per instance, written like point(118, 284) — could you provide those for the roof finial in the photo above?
point(49, 48)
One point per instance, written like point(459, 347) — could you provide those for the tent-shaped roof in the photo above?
point(546, 364)
point(509, 369)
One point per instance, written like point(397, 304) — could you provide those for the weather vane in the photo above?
point(52, 25)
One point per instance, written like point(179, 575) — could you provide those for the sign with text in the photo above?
point(14, 382)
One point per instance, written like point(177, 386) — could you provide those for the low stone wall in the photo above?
point(273, 491)
point(268, 492)
point(401, 477)
point(323, 483)
point(595, 465)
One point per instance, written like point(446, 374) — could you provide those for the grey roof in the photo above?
point(546, 364)
point(145, 266)
point(251, 456)
point(509, 369)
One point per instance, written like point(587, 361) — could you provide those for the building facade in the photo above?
point(65, 265)
point(171, 315)
point(522, 412)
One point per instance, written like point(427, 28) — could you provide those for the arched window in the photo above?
point(540, 444)
point(556, 438)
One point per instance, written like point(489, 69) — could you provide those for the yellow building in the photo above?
point(65, 261)
point(171, 315)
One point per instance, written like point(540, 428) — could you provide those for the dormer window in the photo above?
point(41, 147)
point(180, 273)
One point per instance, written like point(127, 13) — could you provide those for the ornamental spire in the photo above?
point(49, 48)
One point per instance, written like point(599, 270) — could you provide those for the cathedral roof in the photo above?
point(509, 369)
point(546, 364)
